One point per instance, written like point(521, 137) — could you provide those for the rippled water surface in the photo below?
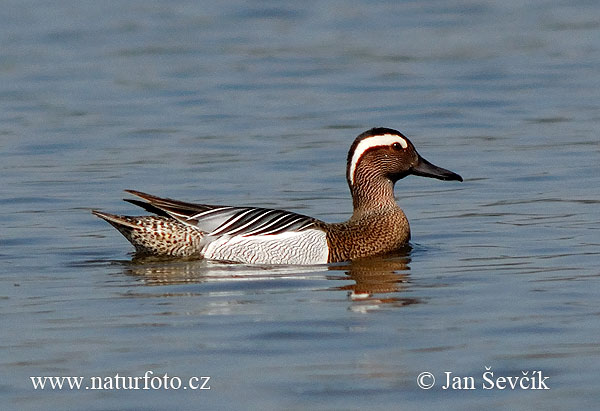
point(256, 103)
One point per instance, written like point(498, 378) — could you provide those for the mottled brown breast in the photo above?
point(369, 234)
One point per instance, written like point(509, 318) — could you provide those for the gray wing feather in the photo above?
point(249, 221)
point(218, 220)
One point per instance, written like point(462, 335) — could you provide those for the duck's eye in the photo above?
point(397, 146)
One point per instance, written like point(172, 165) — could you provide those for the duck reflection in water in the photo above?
point(376, 282)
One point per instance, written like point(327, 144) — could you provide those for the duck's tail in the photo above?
point(156, 235)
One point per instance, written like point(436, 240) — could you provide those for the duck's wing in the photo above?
point(217, 220)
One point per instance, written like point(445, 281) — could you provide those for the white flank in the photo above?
point(292, 247)
point(370, 142)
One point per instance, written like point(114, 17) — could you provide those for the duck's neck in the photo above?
point(372, 195)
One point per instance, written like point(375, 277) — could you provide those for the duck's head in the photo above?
point(384, 153)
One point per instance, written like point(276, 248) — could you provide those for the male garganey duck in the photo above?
point(377, 159)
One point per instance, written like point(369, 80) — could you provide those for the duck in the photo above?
point(377, 159)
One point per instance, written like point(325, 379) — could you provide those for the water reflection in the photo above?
point(378, 281)
point(370, 283)
point(165, 271)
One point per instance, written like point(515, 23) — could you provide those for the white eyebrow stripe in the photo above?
point(370, 142)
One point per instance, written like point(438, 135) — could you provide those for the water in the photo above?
point(257, 104)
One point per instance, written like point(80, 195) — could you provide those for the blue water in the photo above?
point(256, 103)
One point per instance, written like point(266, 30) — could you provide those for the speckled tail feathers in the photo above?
point(156, 235)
